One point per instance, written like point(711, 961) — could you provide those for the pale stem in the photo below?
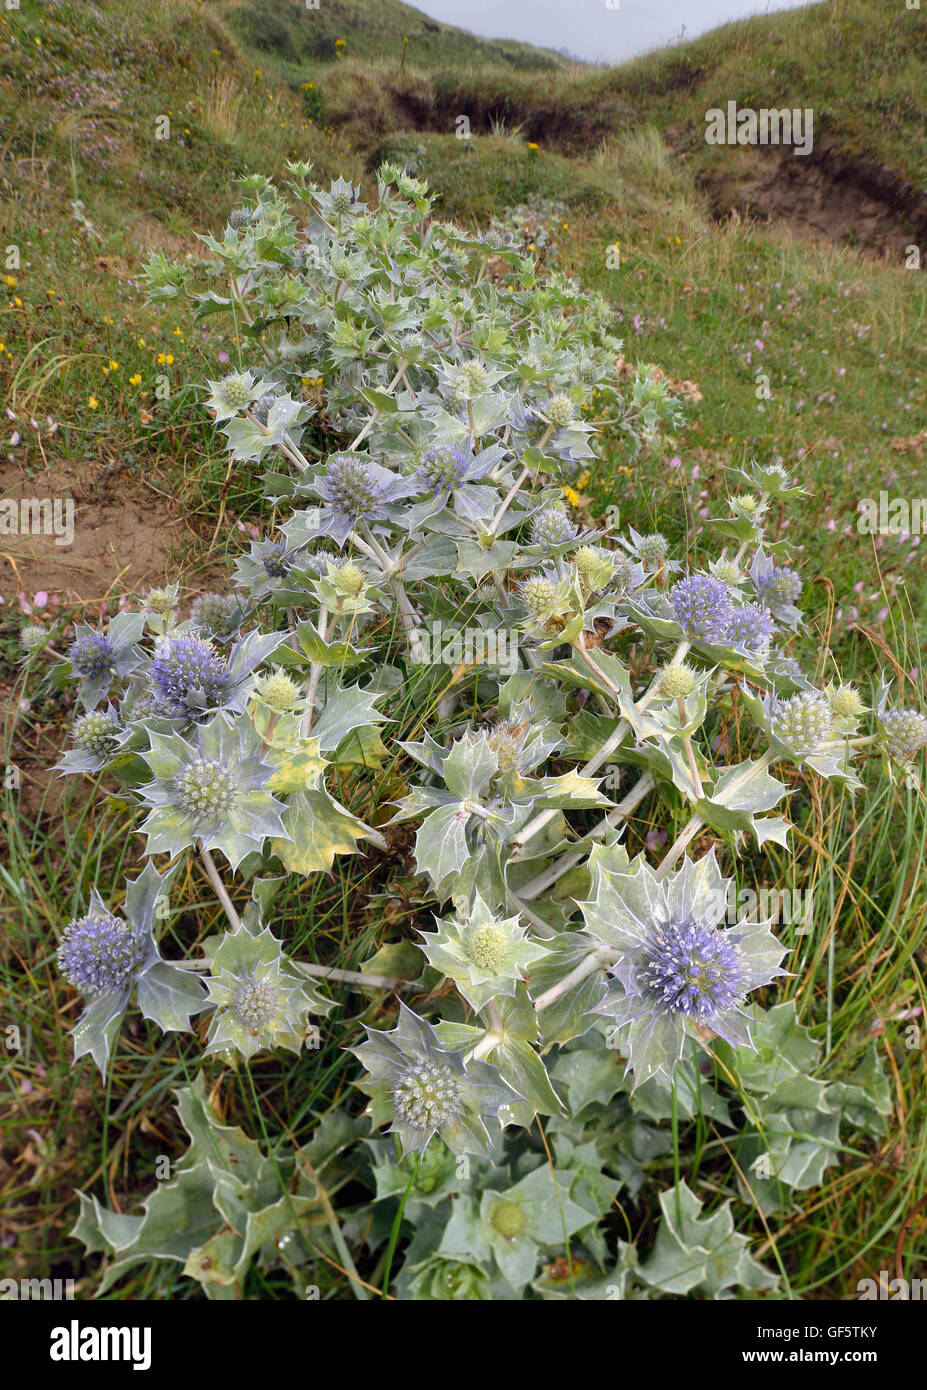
point(690, 752)
point(505, 503)
point(594, 763)
point(535, 887)
point(220, 889)
point(694, 825)
point(598, 957)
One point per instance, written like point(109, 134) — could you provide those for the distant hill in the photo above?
point(293, 35)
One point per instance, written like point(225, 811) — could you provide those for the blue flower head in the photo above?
point(751, 627)
point(780, 585)
point(101, 952)
point(106, 957)
point(98, 658)
point(678, 974)
point(357, 489)
point(91, 654)
point(190, 676)
point(442, 468)
point(694, 969)
point(702, 607)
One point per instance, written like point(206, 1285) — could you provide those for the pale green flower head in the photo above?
point(211, 792)
point(426, 1089)
point(261, 1001)
point(486, 956)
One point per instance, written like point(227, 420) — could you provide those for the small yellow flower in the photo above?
point(17, 301)
point(10, 281)
point(177, 333)
point(107, 319)
point(113, 366)
point(135, 379)
point(93, 402)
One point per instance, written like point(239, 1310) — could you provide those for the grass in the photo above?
point(87, 189)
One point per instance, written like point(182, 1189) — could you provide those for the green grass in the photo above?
point(841, 344)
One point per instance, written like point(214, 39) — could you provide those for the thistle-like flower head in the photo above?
point(484, 954)
point(779, 586)
point(507, 740)
point(348, 579)
point(653, 549)
point(190, 676)
point(217, 616)
point(277, 560)
point(350, 486)
point(694, 969)
point(358, 489)
point(33, 636)
point(677, 681)
point(97, 733)
point(595, 566)
point(91, 655)
point(470, 380)
point(802, 722)
point(442, 468)
point(561, 411)
point(278, 691)
point(427, 1089)
point(233, 394)
point(678, 974)
point(751, 627)
point(97, 658)
point(261, 1001)
point(211, 791)
point(702, 607)
point(552, 527)
point(846, 702)
point(106, 955)
point(100, 952)
point(730, 573)
point(902, 733)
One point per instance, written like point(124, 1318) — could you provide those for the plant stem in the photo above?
point(220, 889)
point(598, 957)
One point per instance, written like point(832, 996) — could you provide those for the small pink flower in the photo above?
point(881, 615)
point(655, 838)
point(223, 357)
point(40, 599)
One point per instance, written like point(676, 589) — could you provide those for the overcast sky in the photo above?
point(589, 29)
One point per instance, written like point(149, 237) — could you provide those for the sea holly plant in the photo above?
point(547, 990)
point(107, 955)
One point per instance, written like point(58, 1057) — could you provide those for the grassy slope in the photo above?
point(294, 36)
point(78, 112)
